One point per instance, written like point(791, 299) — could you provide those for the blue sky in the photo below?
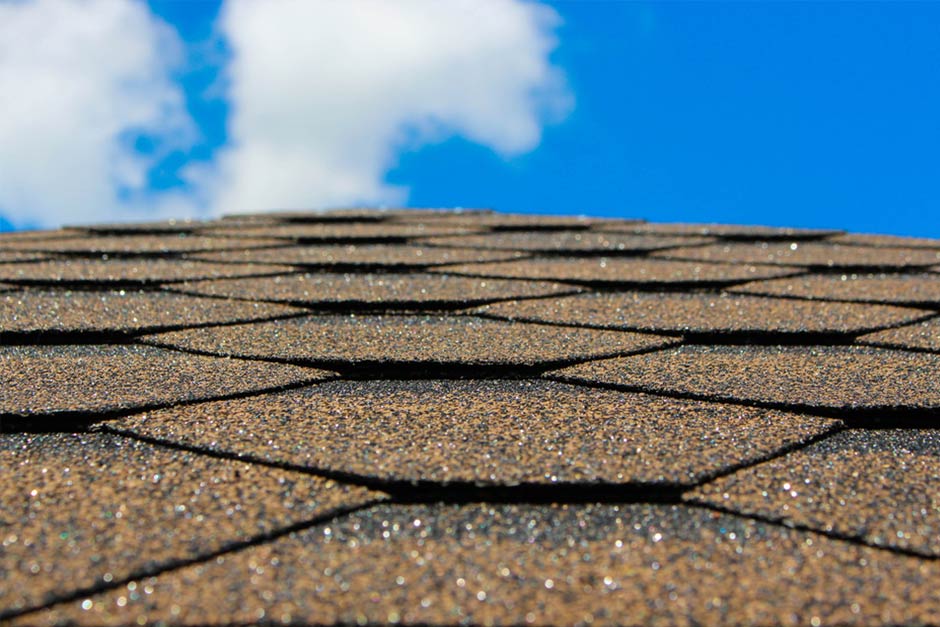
point(800, 114)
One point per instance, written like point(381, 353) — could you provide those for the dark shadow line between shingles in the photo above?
point(170, 255)
point(874, 418)
point(179, 563)
point(552, 253)
point(381, 307)
point(619, 285)
point(927, 305)
point(80, 420)
point(143, 284)
point(61, 337)
point(421, 370)
point(788, 524)
point(900, 347)
point(746, 337)
point(779, 452)
point(455, 492)
point(813, 268)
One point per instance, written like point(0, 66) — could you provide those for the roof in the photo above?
point(452, 417)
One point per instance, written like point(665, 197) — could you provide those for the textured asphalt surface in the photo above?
point(464, 417)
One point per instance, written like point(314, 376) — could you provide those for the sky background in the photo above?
point(782, 113)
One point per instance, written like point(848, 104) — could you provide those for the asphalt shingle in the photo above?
point(620, 271)
point(809, 254)
point(838, 377)
point(877, 486)
point(40, 383)
point(429, 341)
point(359, 257)
point(86, 510)
point(537, 565)
point(122, 311)
point(136, 272)
point(501, 433)
point(566, 242)
point(899, 289)
point(703, 313)
point(387, 290)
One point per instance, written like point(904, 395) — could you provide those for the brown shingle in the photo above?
point(730, 231)
point(333, 232)
point(841, 377)
point(32, 311)
point(863, 239)
point(483, 432)
point(50, 380)
point(620, 271)
point(539, 565)
point(140, 244)
point(566, 241)
point(427, 340)
point(877, 486)
point(12, 256)
point(81, 511)
point(512, 221)
point(126, 271)
point(810, 254)
point(362, 256)
point(865, 288)
point(703, 313)
point(402, 291)
point(925, 335)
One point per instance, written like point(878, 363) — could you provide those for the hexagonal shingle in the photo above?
point(390, 290)
point(703, 313)
point(40, 382)
point(922, 335)
point(899, 289)
point(619, 271)
point(877, 486)
point(566, 241)
point(836, 377)
point(137, 272)
point(124, 311)
point(538, 564)
point(429, 341)
point(357, 257)
point(501, 433)
point(86, 510)
point(809, 254)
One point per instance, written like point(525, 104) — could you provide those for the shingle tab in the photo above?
point(703, 313)
point(900, 289)
point(839, 377)
point(620, 271)
point(39, 382)
point(392, 290)
point(123, 311)
point(359, 257)
point(139, 245)
point(332, 232)
point(538, 565)
point(809, 254)
point(105, 272)
point(483, 432)
point(566, 241)
point(427, 340)
point(923, 335)
point(877, 486)
point(86, 510)
point(728, 231)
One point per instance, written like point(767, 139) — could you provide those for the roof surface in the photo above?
point(438, 417)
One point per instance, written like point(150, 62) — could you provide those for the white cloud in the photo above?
point(75, 78)
point(325, 94)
